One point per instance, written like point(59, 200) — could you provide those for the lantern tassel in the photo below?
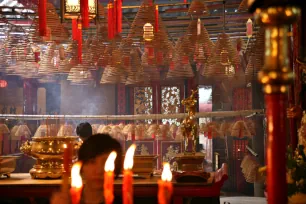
point(110, 21)
point(119, 16)
point(80, 43)
point(42, 12)
point(85, 13)
point(74, 29)
point(156, 18)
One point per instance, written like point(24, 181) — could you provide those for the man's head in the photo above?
point(93, 154)
point(84, 130)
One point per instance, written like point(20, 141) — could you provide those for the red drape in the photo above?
point(42, 17)
point(85, 13)
point(119, 16)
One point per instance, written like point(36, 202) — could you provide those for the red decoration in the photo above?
point(110, 21)
point(42, 17)
point(85, 13)
point(115, 18)
point(172, 65)
point(74, 29)
point(80, 38)
point(126, 61)
point(185, 59)
point(37, 56)
point(159, 57)
point(119, 16)
point(3, 83)
point(156, 18)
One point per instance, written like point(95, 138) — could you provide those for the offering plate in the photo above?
point(49, 154)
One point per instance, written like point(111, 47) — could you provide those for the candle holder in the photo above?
point(48, 152)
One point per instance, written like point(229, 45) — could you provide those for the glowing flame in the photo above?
point(76, 179)
point(166, 175)
point(65, 146)
point(128, 160)
point(110, 162)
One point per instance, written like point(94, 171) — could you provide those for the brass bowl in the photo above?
point(49, 154)
point(7, 165)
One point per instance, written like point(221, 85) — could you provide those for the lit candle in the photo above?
point(127, 187)
point(109, 178)
point(76, 183)
point(165, 187)
point(66, 172)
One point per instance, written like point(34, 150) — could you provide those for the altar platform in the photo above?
point(23, 186)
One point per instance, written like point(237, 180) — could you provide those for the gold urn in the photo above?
point(49, 154)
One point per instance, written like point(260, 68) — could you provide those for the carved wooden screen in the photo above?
point(170, 102)
point(143, 101)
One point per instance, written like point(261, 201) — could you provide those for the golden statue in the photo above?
point(189, 126)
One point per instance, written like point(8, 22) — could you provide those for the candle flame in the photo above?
point(110, 162)
point(128, 160)
point(65, 146)
point(76, 179)
point(166, 175)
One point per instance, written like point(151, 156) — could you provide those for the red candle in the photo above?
point(76, 183)
point(127, 188)
point(109, 178)
point(67, 158)
point(165, 188)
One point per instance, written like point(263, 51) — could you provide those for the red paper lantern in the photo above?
point(3, 83)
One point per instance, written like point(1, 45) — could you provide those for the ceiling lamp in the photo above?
point(71, 9)
point(198, 8)
point(148, 33)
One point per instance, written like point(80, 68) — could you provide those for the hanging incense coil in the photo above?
point(47, 66)
point(23, 131)
point(182, 67)
point(198, 8)
point(4, 129)
point(80, 75)
point(256, 60)
point(249, 167)
point(225, 128)
point(224, 60)
point(47, 79)
point(211, 130)
point(135, 74)
point(240, 129)
point(199, 43)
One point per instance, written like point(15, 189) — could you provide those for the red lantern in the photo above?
point(3, 83)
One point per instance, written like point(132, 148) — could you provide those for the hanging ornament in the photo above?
point(249, 28)
point(199, 27)
point(156, 18)
point(119, 16)
point(115, 18)
point(42, 16)
point(85, 13)
point(80, 42)
point(110, 21)
point(74, 29)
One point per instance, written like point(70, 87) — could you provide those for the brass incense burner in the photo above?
point(49, 152)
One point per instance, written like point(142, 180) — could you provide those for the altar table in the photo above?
point(22, 186)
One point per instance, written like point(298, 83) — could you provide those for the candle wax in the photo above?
point(165, 190)
point(127, 187)
point(75, 194)
point(109, 187)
